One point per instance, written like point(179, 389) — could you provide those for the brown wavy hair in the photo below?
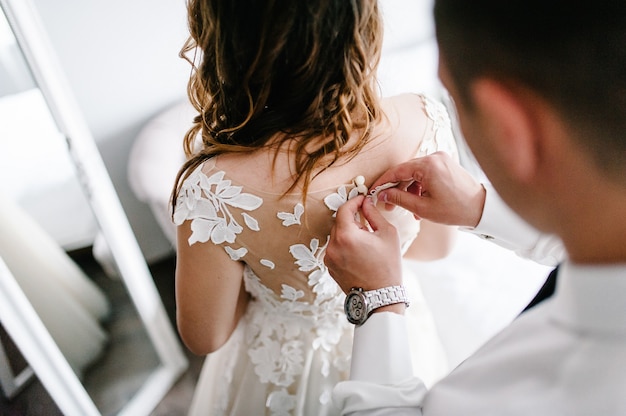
point(275, 72)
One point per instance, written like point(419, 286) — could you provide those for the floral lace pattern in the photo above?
point(206, 200)
point(282, 330)
point(292, 218)
point(334, 201)
point(277, 325)
point(442, 138)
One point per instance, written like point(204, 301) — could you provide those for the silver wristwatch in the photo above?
point(359, 304)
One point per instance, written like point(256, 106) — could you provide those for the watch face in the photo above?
point(355, 307)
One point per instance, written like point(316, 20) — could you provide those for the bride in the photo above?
point(290, 126)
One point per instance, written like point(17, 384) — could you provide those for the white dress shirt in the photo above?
point(566, 356)
point(504, 227)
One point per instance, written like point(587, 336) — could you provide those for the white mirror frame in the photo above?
point(10, 383)
point(16, 314)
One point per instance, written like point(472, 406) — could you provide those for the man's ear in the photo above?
point(509, 121)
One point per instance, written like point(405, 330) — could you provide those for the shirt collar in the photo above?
point(591, 298)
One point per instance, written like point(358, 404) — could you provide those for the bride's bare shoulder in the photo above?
point(405, 115)
point(405, 110)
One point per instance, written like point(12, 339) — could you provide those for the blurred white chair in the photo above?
point(155, 158)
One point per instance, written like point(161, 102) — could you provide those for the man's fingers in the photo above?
point(410, 201)
point(404, 172)
point(347, 213)
point(373, 216)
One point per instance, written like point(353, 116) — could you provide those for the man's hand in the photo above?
point(358, 257)
point(436, 188)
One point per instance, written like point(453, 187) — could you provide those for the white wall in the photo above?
point(409, 57)
point(121, 60)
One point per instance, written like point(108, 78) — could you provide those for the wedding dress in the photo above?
point(293, 343)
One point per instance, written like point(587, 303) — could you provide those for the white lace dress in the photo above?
point(294, 343)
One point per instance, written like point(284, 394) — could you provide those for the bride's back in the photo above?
point(279, 234)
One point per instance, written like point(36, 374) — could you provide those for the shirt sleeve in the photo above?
point(505, 228)
point(381, 377)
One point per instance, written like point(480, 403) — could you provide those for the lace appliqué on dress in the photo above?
point(337, 199)
point(206, 201)
point(282, 331)
point(441, 139)
point(292, 218)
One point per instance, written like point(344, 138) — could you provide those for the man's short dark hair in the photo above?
point(571, 53)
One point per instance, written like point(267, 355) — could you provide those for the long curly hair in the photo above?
point(275, 72)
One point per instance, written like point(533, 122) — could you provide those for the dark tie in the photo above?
point(546, 290)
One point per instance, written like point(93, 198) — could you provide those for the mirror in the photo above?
point(69, 319)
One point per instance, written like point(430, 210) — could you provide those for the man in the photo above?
point(541, 93)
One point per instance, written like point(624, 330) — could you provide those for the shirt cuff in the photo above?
point(381, 352)
point(499, 222)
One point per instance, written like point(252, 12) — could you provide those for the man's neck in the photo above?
point(598, 236)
